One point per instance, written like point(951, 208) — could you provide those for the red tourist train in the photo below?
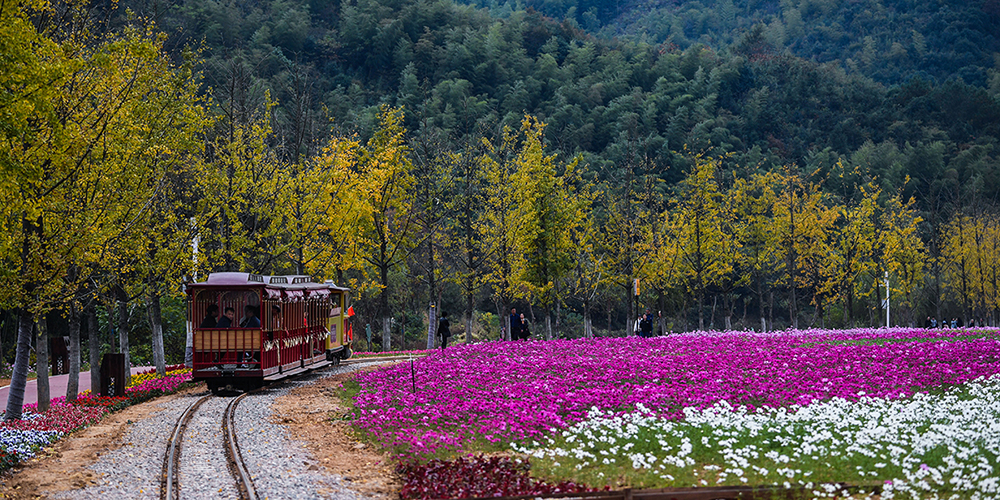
point(249, 329)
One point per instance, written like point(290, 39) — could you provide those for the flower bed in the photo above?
point(20, 439)
point(143, 376)
point(476, 476)
point(506, 392)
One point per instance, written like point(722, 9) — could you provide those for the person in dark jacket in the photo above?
point(646, 326)
point(444, 329)
point(250, 317)
point(211, 317)
point(525, 331)
point(226, 321)
point(515, 324)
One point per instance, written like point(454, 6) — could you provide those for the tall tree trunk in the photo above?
point(504, 319)
point(469, 306)
point(156, 324)
point(32, 230)
point(19, 379)
point(661, 320)
point(383, 300)
point(431, 322)
point(588, 330)
point(548, 324)
point(760, 298)
point(73, 383)
point(711, 321)
point(701, 309)
point(793, 311)
point(555, 328)
point(609, 320)
point(123, 334)
point(432, 285)
point(42, 362)
point(727, 311)
point(189, 337)
point(386, 333)
point(770, 310)
point(630, 312)
point(94, 339)
point(508, 334)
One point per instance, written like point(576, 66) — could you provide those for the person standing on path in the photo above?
point(444, 329)
point(646, 326)
point(515, 324)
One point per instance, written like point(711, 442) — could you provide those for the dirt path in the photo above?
point(307, 412)
point(64, 465)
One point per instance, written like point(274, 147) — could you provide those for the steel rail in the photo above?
point(170, 488)
point(243, 479)
point(376, 359)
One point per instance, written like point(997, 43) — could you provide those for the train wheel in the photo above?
point(346, 353)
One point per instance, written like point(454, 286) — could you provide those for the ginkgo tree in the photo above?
point(703, 246)
point(243, 201)
point(548, 210)
point(497, 227)
point(752, 203)
point(385, 234)
point(629, 221)
point(84, 110)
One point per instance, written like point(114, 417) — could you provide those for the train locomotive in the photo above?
point(249, 329)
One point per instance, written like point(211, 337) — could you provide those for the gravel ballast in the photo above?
point(281, 467)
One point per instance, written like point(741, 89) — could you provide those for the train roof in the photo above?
point(292, 282)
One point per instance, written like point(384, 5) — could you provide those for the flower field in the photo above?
point(21, 439)
point(898, 409)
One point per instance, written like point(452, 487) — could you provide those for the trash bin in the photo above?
point(59, 355)
point(113, 379)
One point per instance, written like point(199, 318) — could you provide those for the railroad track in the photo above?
point(376, 359)
point(171, 486)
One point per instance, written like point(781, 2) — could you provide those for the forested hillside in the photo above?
point(456, 70)
point(433, 152)
point(890, 41)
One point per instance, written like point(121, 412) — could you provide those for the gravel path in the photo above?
point(204, 469)
point(281, 467)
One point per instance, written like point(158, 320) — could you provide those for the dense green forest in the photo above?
point(866, 105)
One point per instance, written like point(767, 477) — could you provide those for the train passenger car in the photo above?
point(248, 329)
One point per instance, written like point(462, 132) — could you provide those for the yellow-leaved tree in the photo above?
point(497, 227)
point(852, 247)
point(244, 200)
point(904, 253)
point(92, 126)
point(629, 230)
point(331, 211)
point(386, 226)
point(703, 247)
point(753, 204)
point(549, 212)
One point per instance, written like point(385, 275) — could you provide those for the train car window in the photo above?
point(238, 302)
point(202, 310)
point(335, 302)
point(272, 315)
